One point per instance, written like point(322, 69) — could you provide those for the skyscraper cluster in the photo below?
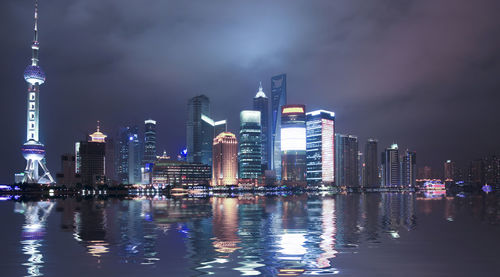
point(276, 141)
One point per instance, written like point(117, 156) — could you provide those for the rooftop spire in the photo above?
point(260, 93)
point(34, 46)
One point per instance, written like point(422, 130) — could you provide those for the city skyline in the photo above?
point(436, 134)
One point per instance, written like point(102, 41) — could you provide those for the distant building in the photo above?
point(491, 170)
point(293, 145)
point(361, 168)
point(346, 153)
point(129, 158)
point(409, 169)
point(425, 173)
point(196, 139)
point(449, 171)
point(167, 172)
point(68, 175)
point(261, 104)
point(201, 130)
point(250, 155)
point(110, 170)
point(149, 142)
point(371, 164)
point(225, 160)
point(391, 167)
point(320, 147)
point(278, 100)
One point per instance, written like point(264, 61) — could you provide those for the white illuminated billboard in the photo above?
point(293, 138)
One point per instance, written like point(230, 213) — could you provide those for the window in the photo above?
point(32, 96)
point(32, 106)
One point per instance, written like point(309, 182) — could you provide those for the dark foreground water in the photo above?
point(373, 234)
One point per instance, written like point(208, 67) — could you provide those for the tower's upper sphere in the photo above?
point(33, 150)
point(34, 74)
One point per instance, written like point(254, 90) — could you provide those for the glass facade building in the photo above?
point(346, 153)
point(409, 169)
point(391, 174)
point(293, 145)
point(320, 147)
point(201, 130)
point(149, 141)
point(278, 99)
point(129, 158)
point(371, 164)
point(249, 158)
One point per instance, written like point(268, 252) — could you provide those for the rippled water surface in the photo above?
point(373, 234)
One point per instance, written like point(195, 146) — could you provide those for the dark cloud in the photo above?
point(424, 74)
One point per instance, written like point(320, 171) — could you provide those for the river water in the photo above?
point(355, 234)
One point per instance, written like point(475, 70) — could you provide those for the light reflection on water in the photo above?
point(245, 235)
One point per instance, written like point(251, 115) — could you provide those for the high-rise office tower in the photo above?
point(68, 175)
point(225, 160)
point(92, 159)
point(250, 166)
point(320, 147)
point(346, 154)
point(122, 155)
point(278, 99)
point(110, 160)
point(201, 130)
point(293, 145)
point(361, 168)
point(261, 104)
point(196, 107)
point(371, 164)
point(449, 171)
point(409, 169)
point(134, 157)
point(149, 141)
point(33, 150)
point(390, 165)
point(129, 158)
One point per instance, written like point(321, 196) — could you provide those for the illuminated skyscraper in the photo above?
point(33, 150)
point(293, 145)
point(201, 130)
point(250, 145)
point(390, 167)
point(371, 164)
point(346, 155)
point(225, 160)
point(278, 99)
point(149, 141)
point(409, 169)
point(129, 156)
point(320, 147)
point(261, 103)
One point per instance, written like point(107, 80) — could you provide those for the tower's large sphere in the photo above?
point(34, 74)
point(33, 151)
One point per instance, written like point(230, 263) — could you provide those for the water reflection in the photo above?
point(245, 235)
point(35, 214)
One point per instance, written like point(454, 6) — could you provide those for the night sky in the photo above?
point(424, 74)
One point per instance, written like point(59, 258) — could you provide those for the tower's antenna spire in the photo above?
point(98, 125)
point(34, 46)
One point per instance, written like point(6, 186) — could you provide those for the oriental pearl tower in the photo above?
point(33, 150)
